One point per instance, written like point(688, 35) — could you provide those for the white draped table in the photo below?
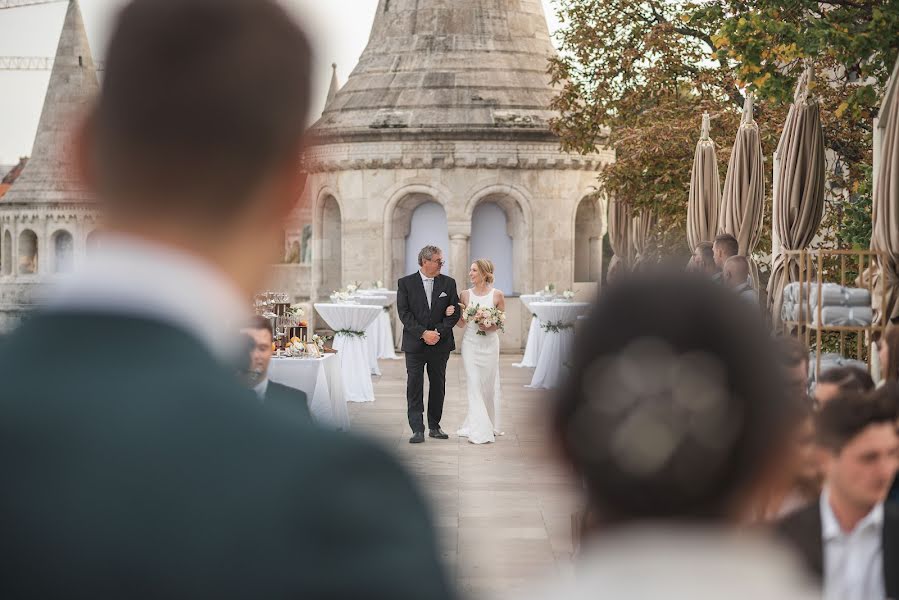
point(349, 322)
point(320, 379)
point(379, 333)
point(535, 334)
point(557, 321)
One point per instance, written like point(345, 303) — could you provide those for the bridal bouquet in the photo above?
point(486, 316)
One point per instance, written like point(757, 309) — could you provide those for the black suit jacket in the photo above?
point(287, 402)
point(412, 306)
point(135, 466)
point(803, 530)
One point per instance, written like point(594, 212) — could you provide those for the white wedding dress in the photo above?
point(480, 357)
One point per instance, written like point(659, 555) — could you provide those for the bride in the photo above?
point(480, 357)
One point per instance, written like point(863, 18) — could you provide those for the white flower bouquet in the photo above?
point(568, 295)
point(297, 311)
point(484, 316)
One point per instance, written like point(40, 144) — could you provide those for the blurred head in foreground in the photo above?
point(675, 408)
point(195, 137)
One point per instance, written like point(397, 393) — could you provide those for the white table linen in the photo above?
point(355, 365)
point(379, 335)
point(555, 346)
point(535, 334)
point(320, 379)
point(384, 336)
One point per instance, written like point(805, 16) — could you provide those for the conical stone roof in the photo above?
point(48, 177)
point(450, 65)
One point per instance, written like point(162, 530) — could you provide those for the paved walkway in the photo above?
point(503, 510)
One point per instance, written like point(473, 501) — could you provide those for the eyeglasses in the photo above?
point(439, 261)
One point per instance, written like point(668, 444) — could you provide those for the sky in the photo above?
point(339, 30)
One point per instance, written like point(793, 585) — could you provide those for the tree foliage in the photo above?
point(638, 74)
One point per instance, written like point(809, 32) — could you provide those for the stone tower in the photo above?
point(444, 122)
point(45, 217)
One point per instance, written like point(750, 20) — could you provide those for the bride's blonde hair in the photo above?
point(485, 266)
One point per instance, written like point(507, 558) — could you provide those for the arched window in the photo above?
point(28, 259)
point(332, 247)
point(306, 245)
point(92, 243)
point(63, 252)
point(490, 239)
point(7, 253)
point(588, 241)
point(428, 227)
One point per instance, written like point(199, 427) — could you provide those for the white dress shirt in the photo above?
point(853, 562)
point(429, 286)
point(260, 389)
point(133, 277)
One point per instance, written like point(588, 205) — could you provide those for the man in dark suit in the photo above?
point(422, 300)
point(134, 463)
point(850, 537)
point(284, 400)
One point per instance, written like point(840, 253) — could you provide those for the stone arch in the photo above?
point(588, 233)
point(63, 257)
point(7, 256)
point(327, 250)
point(516, 205)
point(28, 254)
point(398, 214)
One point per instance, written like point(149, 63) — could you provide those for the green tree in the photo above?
point(636, 75)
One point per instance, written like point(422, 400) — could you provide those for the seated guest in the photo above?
point(286, 400)
point(793, 357)
point(801, 481)
point(736, 276)
point(673, 417)
point(841, 380)
point(724, 247)
point(703, 259)
point(849, 538)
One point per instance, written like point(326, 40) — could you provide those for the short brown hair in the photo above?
point(847, 415)
point(728, 244)
point(258, 323)
point(200, 100)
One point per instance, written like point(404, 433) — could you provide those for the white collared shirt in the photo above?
point(261, 388)
point(853, 562)
point(429, 286)
point(129, 276)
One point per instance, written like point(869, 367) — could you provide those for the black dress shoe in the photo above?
point(438, 433)
point(417, 438)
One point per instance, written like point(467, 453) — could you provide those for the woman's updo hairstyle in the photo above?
point(485, 266)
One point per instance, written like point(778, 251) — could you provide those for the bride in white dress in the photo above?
point(480, 357)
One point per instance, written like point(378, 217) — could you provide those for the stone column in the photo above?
point(458, 258)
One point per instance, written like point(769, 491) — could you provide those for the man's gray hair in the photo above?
point(427, 253)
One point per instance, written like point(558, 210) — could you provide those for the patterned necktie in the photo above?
point(429, 290)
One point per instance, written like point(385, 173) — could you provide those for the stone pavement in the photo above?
point(503, 510)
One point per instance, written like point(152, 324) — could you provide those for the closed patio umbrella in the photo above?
point(885, 234)
point(641, 230)
point(743, 197)
point(619, 234)
point(705, 191)
point(799, 197)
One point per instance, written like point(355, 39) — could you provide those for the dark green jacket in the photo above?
point(134, 467)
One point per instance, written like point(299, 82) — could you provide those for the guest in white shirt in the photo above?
point(849, 538)
point(674, 416)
